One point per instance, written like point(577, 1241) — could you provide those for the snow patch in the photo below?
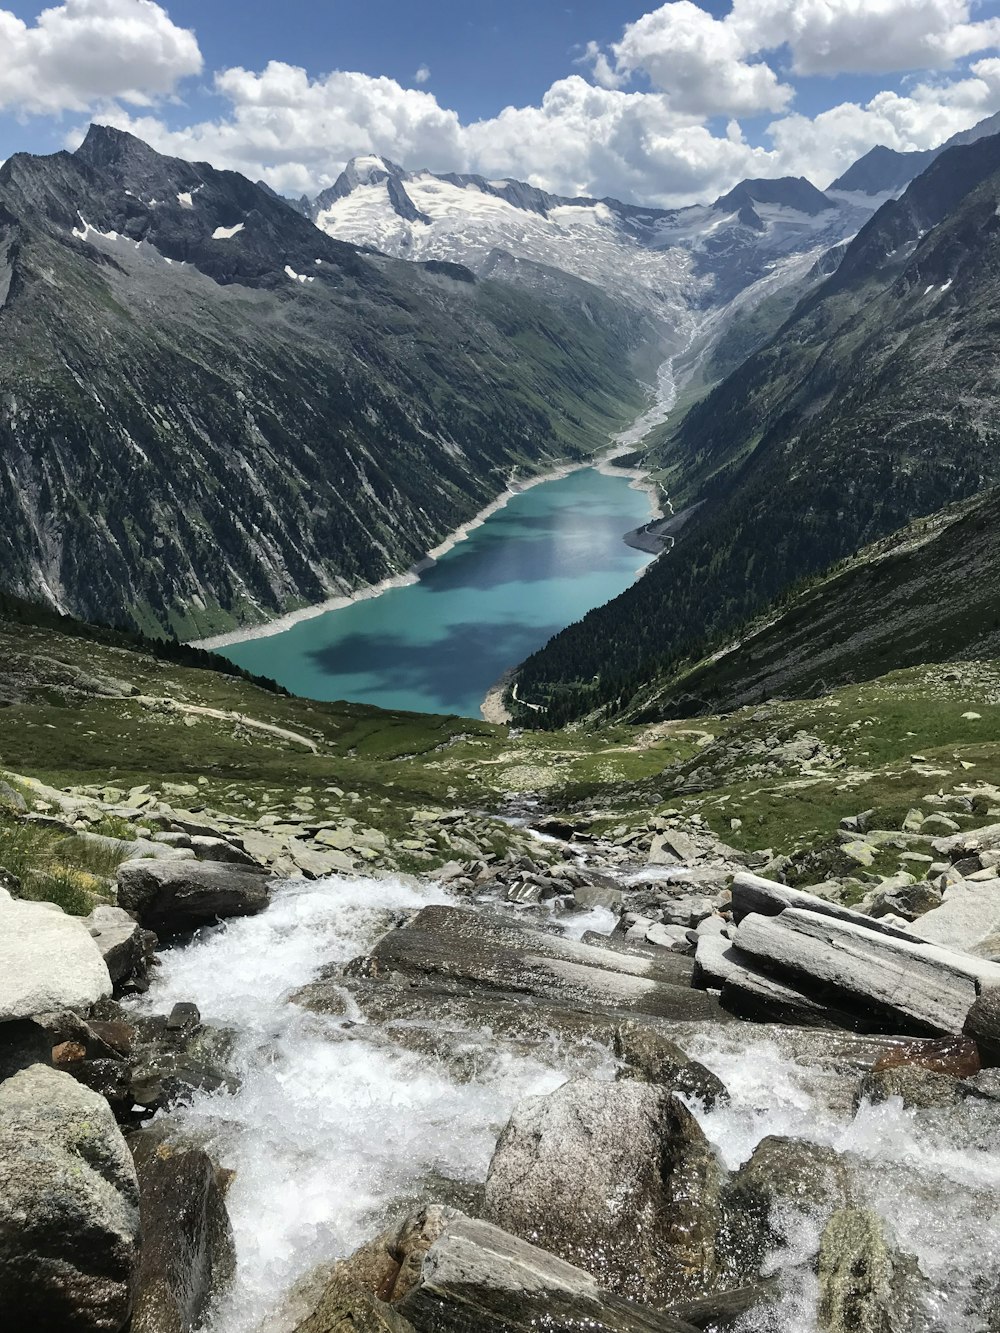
point(297, 277)
point(227, 233)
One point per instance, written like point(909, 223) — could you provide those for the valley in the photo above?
point(664, 995)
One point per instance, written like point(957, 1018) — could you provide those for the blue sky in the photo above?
point(662, 103)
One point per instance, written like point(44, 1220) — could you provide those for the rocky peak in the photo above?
point(787, 192)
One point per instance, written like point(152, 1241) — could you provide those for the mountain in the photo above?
point(927, 593)
point(887, 171)
point(875, 403)
point(212, 412)
point(676, 265)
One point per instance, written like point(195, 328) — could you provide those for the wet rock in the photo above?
point(764, 1202)
point(483, 952)
point(187, 1248)
point(170, 898)
point(438, 1271)
point(984, 1086)
point(652, 1058)
point(126, 948)
point(913, 987)
point(918, 1088)
point(48, 961)
point(865, 1286)
point(725, 1310)
point(983, 1025)
point(69, 1207)
point(616, 1178)
point(958, 1057)
point(587, 896)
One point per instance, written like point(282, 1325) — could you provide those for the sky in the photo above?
point(659, 104)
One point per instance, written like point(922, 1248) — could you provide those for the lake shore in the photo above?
point(493, 708)
point(266, 628)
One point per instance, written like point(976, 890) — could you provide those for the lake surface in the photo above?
point(436, 646)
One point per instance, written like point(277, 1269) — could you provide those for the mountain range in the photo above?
point(874, 404)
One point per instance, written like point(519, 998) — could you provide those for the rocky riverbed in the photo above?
point(633, 1083)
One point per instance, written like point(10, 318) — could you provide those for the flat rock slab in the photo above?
point(748, 991)
point(477, 951)
point(48, 961)
point(753, 893)
point(476, 1276)
point(915, 987)
point(171, 897)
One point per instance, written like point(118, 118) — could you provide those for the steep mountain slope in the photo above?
point(888, 171)
point(876, 402)
point(212, 412)
point(928, 593)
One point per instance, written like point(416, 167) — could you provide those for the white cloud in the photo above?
point(639, 129)
point(863, 36)
point(696, 61)
point(84, 51)
point(422, 75)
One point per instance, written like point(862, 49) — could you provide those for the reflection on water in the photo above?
point(534, 567)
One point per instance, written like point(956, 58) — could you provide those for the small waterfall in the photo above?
point(333, 1130)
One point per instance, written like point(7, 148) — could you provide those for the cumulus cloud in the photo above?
point(641, 127)
point(697, 62)
point(862, 36)
point(422, 75)
point(84, 51)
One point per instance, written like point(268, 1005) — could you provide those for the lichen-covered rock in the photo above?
point(864, 1285)
point(69, 1207)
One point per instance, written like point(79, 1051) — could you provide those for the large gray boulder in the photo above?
point(69, 1207)
point(48, 961)
point(915, 987)
point(188, 1253)
point(438, 1271)
point(617, 1179)
point(753, 893)
point(171, 897)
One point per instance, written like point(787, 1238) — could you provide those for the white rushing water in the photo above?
point(932, 1176)
point(335, 1129)
point(331, 1131)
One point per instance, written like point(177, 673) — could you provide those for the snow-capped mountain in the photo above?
point(671, 264)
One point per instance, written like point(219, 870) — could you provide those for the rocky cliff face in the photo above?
point(212, 412)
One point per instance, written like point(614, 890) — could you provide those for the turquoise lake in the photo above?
point(436, 646)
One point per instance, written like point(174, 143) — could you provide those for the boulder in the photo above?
point(911, 987)
point(438, 1271)
point(968, 918)
point(918, 1088)
point(864, 1285)
point(187, 1241)
point(673, 846)
point(126, 948)
point(983, 1025)
point(170, 897)
point(220, 849)
point(650, 1057)
point(48, 961)
point(618, 1179)
point(587, 896)
point(764, 1202)
point(753, 894)
point(69, 1207)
